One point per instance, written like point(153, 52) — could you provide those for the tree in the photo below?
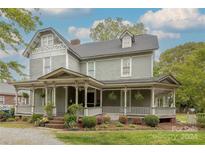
point(187, 63)
point(13, 22)
point(109, 29)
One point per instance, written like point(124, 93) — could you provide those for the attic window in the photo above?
point(47, 40)
point(126, 41)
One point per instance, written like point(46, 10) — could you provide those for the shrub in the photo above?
point(106, 119)
point(10, 119)
point(17, 118)
point(89, 121)
point(11, 112)
point(151, 120)
point(104, 126)
point(132, 126)
point(25, 118)
point(37, 122)
point(49, 110)
point(99, 120)
point(201, 119)
point(74, 109)
point(34, 117)
point(123, 119)
point(72, 124)
point(136, 121)
point(68, 119)
point(119, 124)
point(2, 114)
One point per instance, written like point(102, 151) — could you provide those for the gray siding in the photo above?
point(36, 68)
point(58, 61)
point(110, 69)
point(73, 63)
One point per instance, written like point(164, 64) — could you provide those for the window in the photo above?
point(126, 42)
point(47, 40)
point(47, 65)
point(1, 100)
point(126, 67)
point(91, 69)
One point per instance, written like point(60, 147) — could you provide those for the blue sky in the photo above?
point(172, 26)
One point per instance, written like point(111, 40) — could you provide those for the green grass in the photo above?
point(15, 124)
point(182, 117)
point(132, 137)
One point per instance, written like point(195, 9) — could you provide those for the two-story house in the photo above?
point(106, 77)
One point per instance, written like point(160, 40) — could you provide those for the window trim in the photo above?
point(93, 68)
point(3, 99)
point(49, 64)
point(130, 73)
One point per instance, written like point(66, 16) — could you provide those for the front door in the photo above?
point(60, 101)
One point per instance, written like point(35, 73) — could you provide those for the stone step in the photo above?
point(56, 126)
point(58, 118)
point(56, 122)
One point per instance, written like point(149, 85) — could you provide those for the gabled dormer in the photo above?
point(127, 38)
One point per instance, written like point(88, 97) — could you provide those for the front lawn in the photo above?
point(16, 124)
point(132, 137)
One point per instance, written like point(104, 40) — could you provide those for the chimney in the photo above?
point(75, 42)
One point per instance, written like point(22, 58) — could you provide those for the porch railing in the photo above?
point(94, 111)
point(140, 110)
point(165, 111)
point(39, 109)
point(24, 109)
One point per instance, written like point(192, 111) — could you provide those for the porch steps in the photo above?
point(57, 123)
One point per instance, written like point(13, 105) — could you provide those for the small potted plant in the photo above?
point(49, 110)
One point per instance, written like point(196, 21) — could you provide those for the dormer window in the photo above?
point(47, 40)
point(126, 41)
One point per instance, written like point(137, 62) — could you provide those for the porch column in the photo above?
point(46, 95)
point(101, 97)
point(66, 99)
point(125, 101)
point(85, 107)
point(16, 103)
point(76, 94)
point(152, 101)
point(174, 97)
point(54, 101)
point(95, 97)
point(33, 100)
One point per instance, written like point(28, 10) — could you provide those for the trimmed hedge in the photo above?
point(123, 119)
point(89, 121)
point(151, 120)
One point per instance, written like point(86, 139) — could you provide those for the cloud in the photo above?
point(81, 32)
point(165, 35)
point(177, 19)
point(57, 11)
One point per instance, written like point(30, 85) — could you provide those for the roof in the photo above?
point(145, 80)
point(142, 43)
point(7, 89)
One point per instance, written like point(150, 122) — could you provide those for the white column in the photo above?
point(152, 101)
point(54, 101)
point(95, 97)
point(174, 97)
point(16, 104)
point(76, 94)
point(46, 95)
point(86, 109)
point(164, 101)
point(66, 99)
point(33, 101)
point(125, 101)
point(101, 92)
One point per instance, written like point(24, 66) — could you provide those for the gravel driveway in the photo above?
point(35, 136)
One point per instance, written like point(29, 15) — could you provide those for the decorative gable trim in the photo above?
point(169, 78)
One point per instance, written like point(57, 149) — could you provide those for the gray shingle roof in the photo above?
point(142, 43)
point(7, 89)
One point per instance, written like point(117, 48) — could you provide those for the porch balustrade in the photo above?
point(39, 109)
point(25, 109)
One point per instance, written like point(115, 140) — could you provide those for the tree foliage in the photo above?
point(14, 22)
point(187, 63)
point(109, 29)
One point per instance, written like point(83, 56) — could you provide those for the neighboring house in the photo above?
point(106, 77)
point(8, 96)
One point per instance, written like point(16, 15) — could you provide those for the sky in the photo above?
point(172, 26)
